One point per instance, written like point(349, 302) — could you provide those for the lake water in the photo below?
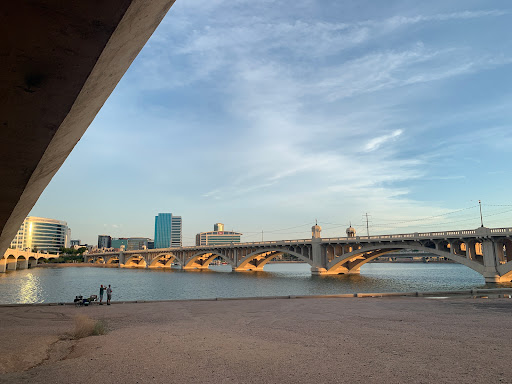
point(63, 284)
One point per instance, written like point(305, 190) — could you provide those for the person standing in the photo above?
point(109, 294)
point(102, 288)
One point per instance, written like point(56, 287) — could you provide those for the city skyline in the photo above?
point(269, 116)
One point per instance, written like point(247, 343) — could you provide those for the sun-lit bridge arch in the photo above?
point(256, 260)
point(163, 260)
point(202, 259)
point(351, 262)
point(135, 261)
point(112, 260)
point(99, 260)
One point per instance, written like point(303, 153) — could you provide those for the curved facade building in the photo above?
point(44, 234)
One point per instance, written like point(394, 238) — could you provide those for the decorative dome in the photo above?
point(315, 231)
point(351, 232)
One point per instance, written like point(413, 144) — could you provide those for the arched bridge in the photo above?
point(14, 259)
point(488, 251)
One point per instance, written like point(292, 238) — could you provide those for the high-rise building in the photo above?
point(218, 236)
point(168, 231)
point(104, 241)
point(47, 235)
point(75, 242)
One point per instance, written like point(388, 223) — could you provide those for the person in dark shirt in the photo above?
point(102, 288)
point(109, 294)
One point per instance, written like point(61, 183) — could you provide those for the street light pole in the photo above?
point(481, 217)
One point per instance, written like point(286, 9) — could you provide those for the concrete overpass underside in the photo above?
point(61, 60)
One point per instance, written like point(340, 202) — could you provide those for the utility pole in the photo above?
point(367, 225)
point(262, 235)
point(481, 217)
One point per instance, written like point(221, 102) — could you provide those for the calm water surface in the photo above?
point(62, 284)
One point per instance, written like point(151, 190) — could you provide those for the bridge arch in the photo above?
point(22, 262)
point(505, 271)
point(202, 259)
point(353, 261)
point(32, 262)
point(135, 261)
point(10, 263)
point(112, 260)
point(264, 256)
point(167, 258)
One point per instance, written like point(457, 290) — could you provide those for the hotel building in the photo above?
point(46, 235)
point(218, 236)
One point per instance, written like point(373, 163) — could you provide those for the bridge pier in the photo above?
point(491, 261)
point(3, 265)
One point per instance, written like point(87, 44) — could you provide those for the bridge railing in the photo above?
point(419, 235)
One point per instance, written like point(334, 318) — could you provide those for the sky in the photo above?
point(268, 115)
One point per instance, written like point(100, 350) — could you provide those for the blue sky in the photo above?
point(266, 115)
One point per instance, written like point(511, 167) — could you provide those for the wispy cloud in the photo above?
point(377, 142)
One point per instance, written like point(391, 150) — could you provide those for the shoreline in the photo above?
point(473, 293)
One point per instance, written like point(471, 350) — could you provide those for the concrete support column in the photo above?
point(2, 265)
point(500, 255)
point(470, 250)
point(508, 250)
point(490, 256)
point(319, 266)
point(122, 259)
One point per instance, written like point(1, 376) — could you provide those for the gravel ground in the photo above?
point(366, 340)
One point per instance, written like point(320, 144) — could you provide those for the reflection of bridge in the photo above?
point(488, 251)
point(16, 259)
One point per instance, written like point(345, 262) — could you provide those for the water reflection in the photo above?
point(30, 289)
point(62, 284)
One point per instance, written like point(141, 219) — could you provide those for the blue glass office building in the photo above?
point(167, 231)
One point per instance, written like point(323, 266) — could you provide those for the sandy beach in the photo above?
point(358, 340)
